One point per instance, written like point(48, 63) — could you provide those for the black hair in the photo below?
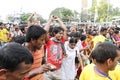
point(51, 31)
point(34, 32)
point(77, 34)
point(88, 31)
point(12, 55)
point(1, 23)
point(72, 34)
point(116, 31)
point(83, 37)
point(104, 51)
point(81, 30)
point(73, 40)
point(19, 39)
point(57, 30)
point(22, 27)
point(94, 33)
point(103, 29)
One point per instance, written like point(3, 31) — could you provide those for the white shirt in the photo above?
point(68, 64)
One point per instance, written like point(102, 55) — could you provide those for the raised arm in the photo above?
point(63, 26)
point(36, 20)
point(29, 20)
point(47, 27)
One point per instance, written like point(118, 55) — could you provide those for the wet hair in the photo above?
point(12, 55)
point(104, 51)
point(34, 32)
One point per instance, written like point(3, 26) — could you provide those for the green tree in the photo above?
point(105, 11)
point(63, 13)
point(76, 16)
point(24, 17)
point(101, 9)
point(10, 18)
point(94, 6)
point(116, 11)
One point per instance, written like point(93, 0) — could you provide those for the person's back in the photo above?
point(101, 37)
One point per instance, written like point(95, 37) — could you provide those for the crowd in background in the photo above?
point(67, 49)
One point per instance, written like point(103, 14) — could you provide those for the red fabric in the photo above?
point(79, 72)
point(53, 56)
point(84, 44)
point(62, 40)
point(26, 79)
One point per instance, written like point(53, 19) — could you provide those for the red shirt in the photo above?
point(54, 53)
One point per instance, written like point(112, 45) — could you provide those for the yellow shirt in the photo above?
point(116, 72)
point(88, 73)
point(1, 35)
point(97, 39)
point(4, 35)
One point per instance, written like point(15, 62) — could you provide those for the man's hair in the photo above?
point(1, 23)
point(57, 30)
point(104, 51)
point(73, 40)
point(34, 32)
point(77, 34)
point(19, 39)
point(12, 55)
point(116, 31)
point(83, 37)
point(103, 29)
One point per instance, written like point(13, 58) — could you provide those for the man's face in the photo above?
point(72, 45)
point(104, 33)
point(59, 35)
point(40, 41)
point(113, 64)
point(20, 73)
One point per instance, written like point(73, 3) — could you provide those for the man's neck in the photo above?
point(31, 48)
point(102, 68)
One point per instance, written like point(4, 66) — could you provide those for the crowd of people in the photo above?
point(58, 52)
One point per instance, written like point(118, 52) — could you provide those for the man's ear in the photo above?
point(109, 61)
point(3, 74)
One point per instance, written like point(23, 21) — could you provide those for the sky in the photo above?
point(43, 7)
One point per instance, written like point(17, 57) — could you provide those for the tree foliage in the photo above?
point(63, 13)
point(105, 11)
point(25, 16)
